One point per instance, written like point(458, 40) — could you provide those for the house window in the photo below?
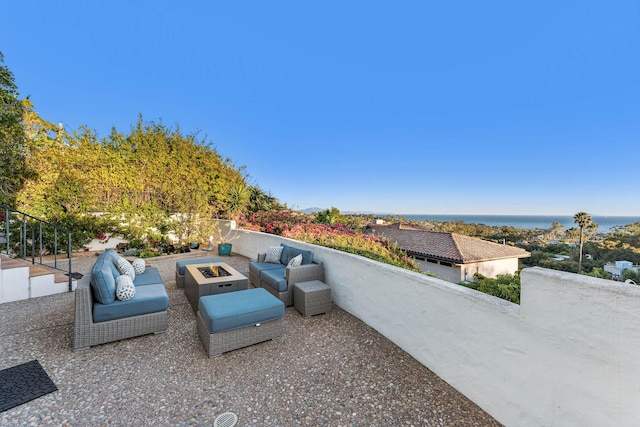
point(434, 261)
point(446, 264)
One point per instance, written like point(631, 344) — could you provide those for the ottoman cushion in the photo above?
point(234, 310)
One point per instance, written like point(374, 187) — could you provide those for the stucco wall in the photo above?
point(456, 274)
point(451, 274)
point(494, 268)
point(569, 355)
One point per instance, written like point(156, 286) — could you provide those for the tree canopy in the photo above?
point(144, 178)
point(13, 168)
point(151, 168)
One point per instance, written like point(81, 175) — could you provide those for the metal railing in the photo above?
point(27, 237)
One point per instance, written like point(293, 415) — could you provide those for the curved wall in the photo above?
point(568, 355)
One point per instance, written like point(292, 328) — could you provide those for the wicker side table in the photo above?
point(311, 298)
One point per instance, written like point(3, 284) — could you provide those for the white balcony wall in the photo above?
point(569, 355)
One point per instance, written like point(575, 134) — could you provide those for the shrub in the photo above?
point(341, 237)
point(505, 286)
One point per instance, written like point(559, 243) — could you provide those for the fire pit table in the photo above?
point(210, 279)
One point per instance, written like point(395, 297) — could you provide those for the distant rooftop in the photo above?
point(443, 245)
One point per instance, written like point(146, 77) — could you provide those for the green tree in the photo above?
point(329, 216)
point(585, 222)
point(142, 178)
point(629, 274)
point(13, 170)
point(599, 273)
point(557, 231)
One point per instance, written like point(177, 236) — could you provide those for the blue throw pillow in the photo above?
point(103, 280)
point(111, 253)
point(284, 256)
point(291, 252)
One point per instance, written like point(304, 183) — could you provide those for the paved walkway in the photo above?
point(327, 370)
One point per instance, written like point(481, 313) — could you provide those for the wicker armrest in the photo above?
point(83, 314)
point(304, 273)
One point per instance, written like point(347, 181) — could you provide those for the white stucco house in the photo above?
point(450, 256)
point(616, 270)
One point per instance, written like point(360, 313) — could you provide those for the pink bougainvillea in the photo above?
point(339, 236)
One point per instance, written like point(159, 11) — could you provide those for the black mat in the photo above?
point(23, 383)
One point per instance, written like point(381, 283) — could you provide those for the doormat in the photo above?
point(22, 384)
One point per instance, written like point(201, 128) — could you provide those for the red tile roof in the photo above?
point(452, 247)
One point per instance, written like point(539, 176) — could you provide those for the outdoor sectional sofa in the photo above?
point(278, 278)
point(100, 317)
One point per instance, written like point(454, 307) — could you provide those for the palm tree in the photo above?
point(260, 200)
point(238, 199)
point(583, 220)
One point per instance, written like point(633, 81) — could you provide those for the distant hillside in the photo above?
point(316, 210)
point(312, 210)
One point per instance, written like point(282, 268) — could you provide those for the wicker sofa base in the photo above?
point(87, 333)
point(254, 279)
point(221, 342)
point(286, 297)
point(115, 330)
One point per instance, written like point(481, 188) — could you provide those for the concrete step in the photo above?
point(35, 270)
point(19, 279)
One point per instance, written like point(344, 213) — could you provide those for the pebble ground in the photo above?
point(327, 370)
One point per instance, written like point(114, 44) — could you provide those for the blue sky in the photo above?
point(411, 107)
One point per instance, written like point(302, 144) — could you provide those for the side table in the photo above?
point(312, 297)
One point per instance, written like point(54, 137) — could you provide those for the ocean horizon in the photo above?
point(605, 223)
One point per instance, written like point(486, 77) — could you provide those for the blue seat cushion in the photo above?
point(235, 310)
point(148, 299)
point(103, 278)
point(182, 264)
point(151, 276)
point(275, 278)
point(289, 252)
point(257, 267)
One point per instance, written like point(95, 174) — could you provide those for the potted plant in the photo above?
point(224, 233)
point(220, 231)
point(238, 197)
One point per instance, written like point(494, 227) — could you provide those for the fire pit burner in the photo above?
point(213, 271)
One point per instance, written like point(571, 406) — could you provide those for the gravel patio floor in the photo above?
point(327, 370)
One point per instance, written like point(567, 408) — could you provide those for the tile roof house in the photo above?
point(450, 256)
